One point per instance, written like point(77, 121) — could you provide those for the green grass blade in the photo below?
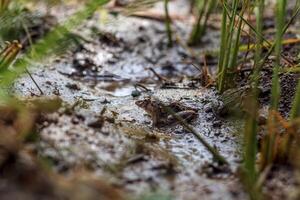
point(52, 40)
point(275, 91)
point(251, 123)
point(295, 111)
point(222, 51)
point(168, 24)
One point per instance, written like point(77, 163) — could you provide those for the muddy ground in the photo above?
point(100, 126)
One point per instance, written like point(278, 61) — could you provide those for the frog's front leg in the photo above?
point(158, 120)
point(155, 120)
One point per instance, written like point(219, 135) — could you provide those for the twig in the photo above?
point(35, 83)
point(139, 85)
point(160, 78)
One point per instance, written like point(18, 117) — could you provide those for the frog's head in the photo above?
point(143, 103)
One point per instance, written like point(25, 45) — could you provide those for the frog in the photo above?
point(235, 101)
point(160, 117)
point(231, 101)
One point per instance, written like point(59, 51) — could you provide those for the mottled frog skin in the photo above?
point(160, 117)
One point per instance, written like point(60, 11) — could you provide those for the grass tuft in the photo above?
point(204, 11)
point(230, 40)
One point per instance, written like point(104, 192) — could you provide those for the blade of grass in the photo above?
point(235, 51)
point(248, 47)
point(221, 69)
point(295, 111)
point(275, 90)
point(268, 148)
point(251, 123)
point(52, 40)
point(168, 23)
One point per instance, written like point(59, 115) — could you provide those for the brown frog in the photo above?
point(160, 117)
